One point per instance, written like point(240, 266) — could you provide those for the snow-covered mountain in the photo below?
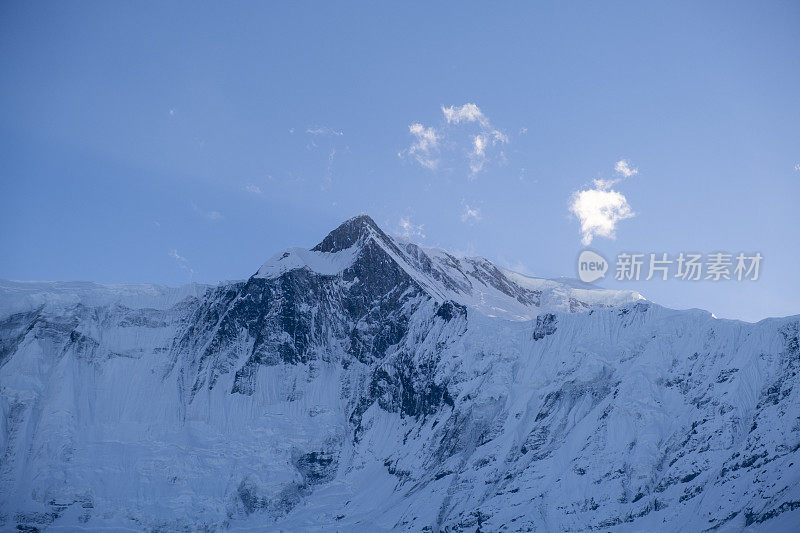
point(370, 384)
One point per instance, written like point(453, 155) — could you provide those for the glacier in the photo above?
point(370, 384)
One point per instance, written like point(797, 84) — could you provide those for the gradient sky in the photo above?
point(167, 141)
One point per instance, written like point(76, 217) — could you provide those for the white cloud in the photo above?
point(599, 211)
point(488, 135)
point(797, 167)
point(425, 148)
point(499, 136)
point(624, 169)
point(480, 145)
point(408, 230)
point(604, 185)
point(470, 215)
point(172, 112)
point(253, 189)
point(183, 263)
point(478, 156)
point(213, 216)
point(176, 256)
point(322, 130)
point(466, 113)
point(472, 113)
point(327, 178)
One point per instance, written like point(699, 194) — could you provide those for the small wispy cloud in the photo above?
point(172, 112)
point(327, 178)
point(797, 167)
point(470, 215)
point(604, 185)
point(323, 130)
point(253, 189)
point(182, 262)
point(176, 256)
point(408, 230)
point(600, 209)
point(472, 113)
point(425, 149)
point(467, 113)
point(478, 156)
point(523, 176)
point(213, 216)
point(623, 168)
point(327, 144)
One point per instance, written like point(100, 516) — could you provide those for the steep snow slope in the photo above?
point(370, 385)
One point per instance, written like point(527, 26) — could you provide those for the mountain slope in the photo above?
point(369, 384)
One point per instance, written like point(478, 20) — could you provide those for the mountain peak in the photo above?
point(474, 282)
point(335, 253)
point(348, 233)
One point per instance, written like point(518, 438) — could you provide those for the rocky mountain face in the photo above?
point(369, 384)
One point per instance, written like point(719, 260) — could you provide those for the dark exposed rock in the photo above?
point(317, 467)
point(348, 234)
point(545, 325)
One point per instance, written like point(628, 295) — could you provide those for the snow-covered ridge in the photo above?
point(336, 253)
point(24, 296)
point(573, 288)
point(324, 263)
point(471, 281)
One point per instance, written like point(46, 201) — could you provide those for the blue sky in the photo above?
point(168, 142)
